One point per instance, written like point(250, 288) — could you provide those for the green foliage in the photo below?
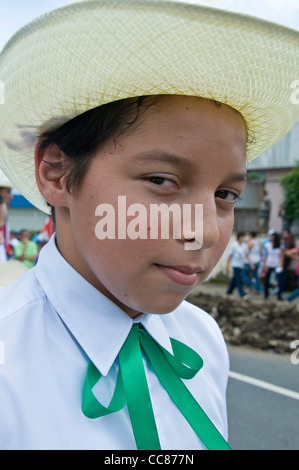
point(255, 175)
point(290, 185)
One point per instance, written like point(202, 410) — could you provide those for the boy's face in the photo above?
point(6, 194)
point(184, 150)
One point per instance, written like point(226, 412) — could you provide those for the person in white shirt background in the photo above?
point(273, 264)
point(237, 260)
point(253, 255)
point(98, 335)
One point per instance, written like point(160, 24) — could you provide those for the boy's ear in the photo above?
point(49, 174)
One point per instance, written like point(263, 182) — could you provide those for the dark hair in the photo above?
point(1, 199)
point(276, 240)
point(240, 234)
point(81, 137)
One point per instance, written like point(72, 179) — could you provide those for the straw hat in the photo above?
point(94, 52)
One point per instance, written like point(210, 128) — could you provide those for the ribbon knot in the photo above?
point(131, 388)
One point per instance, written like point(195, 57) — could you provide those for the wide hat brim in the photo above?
point(94, 52)
point(4, 181)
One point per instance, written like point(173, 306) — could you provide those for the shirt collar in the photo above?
point(97, 323)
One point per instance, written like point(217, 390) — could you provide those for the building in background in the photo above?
point(266, 172)
point(22, 214)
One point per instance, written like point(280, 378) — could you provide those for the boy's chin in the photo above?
point(156, 308)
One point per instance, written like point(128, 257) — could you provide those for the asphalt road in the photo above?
point(263, 415)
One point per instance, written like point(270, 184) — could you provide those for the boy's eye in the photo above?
point(157, 179)
point(227, 195)
point(161, 181)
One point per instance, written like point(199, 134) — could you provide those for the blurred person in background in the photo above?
point(3, 211)
point(265, 211)
point(273, 264)
point(3, 215)
point(26, 250)
point(254, 258)
point(237, 260)
point(288, 244)
point(294, 254)
point(5, 193)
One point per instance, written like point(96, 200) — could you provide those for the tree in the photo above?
point(290, 185)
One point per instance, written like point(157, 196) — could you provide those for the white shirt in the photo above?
point(273, 256)
point(237, 254)
point(255, 252)
point(52, 323)
point(3, 256)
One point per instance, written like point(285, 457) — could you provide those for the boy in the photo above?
point(109, 297)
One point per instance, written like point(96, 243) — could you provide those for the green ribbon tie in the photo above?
point(131, 388)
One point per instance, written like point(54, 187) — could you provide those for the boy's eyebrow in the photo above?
point(162, 156)
point(242, 177)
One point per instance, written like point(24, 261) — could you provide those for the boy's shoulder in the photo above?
point(19, 295)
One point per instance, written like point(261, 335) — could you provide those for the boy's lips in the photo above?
point(184, 275)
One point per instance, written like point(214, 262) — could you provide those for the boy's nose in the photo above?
point(203, 233)
point(210, 225)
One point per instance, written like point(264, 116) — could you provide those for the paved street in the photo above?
point(262, 419)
